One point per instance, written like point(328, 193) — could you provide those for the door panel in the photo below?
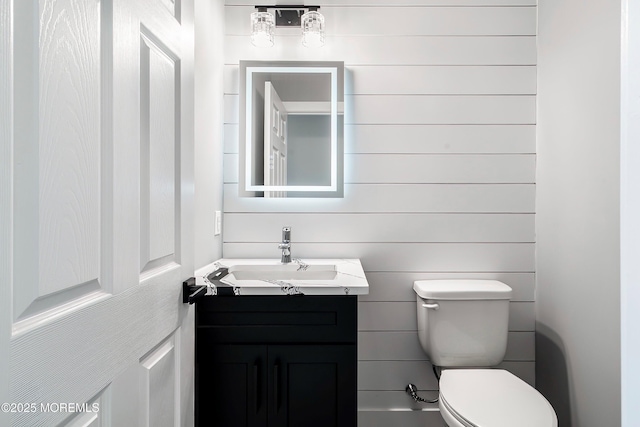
point(146, 151)
point(158, 162)
point(58, 160)
point(69, 207)
point(100, 236)
point(158, 386)
point(231, 386)
point(319, 385)
point(312, 386)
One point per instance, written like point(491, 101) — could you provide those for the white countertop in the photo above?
point(349, 277)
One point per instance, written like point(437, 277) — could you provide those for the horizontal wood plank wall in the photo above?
point(439, 172)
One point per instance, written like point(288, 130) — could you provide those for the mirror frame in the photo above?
point(247, 68)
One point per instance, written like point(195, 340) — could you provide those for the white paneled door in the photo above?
point(96, 192)
point(275, 146)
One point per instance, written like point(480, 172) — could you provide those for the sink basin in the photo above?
point(283, 272)
point(307, 276)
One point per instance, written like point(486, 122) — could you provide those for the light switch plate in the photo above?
point(218, 225)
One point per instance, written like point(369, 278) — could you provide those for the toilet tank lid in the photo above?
point(462, 289)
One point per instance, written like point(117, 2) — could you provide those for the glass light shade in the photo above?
point(262, 26)
point(313, 29)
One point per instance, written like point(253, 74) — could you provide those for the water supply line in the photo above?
point(412, 390)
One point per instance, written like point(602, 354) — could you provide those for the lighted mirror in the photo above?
point(291, 129)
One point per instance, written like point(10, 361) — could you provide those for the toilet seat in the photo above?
point(492, 398)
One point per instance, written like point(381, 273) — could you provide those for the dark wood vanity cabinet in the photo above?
point(276, 361)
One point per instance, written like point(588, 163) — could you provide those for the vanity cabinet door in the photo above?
point(312, 386)
point(231, 386)
point(276, 361)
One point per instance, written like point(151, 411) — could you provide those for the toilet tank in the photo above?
point(463, 323)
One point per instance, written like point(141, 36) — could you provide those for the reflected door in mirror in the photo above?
point(275, 146)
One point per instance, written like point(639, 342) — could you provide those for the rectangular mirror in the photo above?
point(291, 129)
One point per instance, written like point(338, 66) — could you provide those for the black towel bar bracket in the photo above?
point(191, 292)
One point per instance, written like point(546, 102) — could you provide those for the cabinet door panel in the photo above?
point(312, 386)
point(231, 386)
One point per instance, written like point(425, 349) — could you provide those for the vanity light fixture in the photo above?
point(262, 25)
point(313, 28)
point(307, 17)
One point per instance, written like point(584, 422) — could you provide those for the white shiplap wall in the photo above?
point(439, 172)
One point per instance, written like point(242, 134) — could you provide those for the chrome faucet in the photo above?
point(286, 245)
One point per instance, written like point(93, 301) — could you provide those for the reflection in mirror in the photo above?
point(291, 129)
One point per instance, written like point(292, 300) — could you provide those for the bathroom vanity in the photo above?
point(276, 343)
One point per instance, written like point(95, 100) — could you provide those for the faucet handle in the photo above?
point(286, 234)
point(286, 245)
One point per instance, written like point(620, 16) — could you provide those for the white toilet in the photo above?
point(462, 326)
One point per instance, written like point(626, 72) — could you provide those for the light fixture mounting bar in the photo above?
point(288, 15)
point(288, 6)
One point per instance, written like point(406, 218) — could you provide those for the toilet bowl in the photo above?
point(491, 398)
point(462, 327)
